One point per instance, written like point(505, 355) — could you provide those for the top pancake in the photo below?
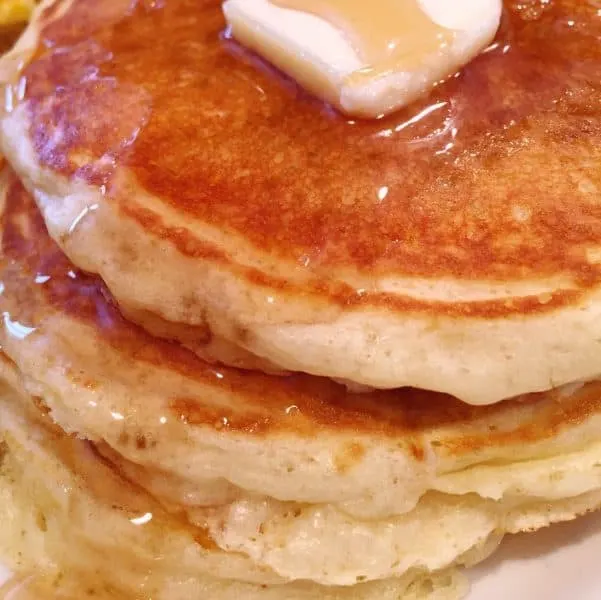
point(444, 247)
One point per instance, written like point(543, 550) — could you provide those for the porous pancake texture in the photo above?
point(294, 483)
point(453, 246)
point(73, 528)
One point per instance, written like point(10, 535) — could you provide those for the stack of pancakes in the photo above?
point(252, 349)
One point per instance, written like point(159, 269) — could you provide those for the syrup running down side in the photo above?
point(39, 284)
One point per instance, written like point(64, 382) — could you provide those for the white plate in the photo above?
point(559, 563)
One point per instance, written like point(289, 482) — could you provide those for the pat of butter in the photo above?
point(322, 57)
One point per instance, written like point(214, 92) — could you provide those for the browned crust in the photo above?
point(346, 296)
point(525, 135)
point(262, 405)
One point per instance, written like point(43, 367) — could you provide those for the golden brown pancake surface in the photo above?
point(263, 464)
point(217, 134)
point(438, 248)
point(40, 285)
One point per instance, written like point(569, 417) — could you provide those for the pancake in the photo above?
point(444, 247)
point(276, 471)
point(75, 528)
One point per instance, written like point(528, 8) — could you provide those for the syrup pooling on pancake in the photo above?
point(484, 114)
point(81, 94)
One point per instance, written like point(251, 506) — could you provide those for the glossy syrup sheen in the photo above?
point(39, 283)
point(388, 35)
point(477, 180)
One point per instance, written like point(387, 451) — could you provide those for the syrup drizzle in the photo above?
point(373, 30)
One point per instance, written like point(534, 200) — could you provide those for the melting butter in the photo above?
point(388, 35)
point(366, 57)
